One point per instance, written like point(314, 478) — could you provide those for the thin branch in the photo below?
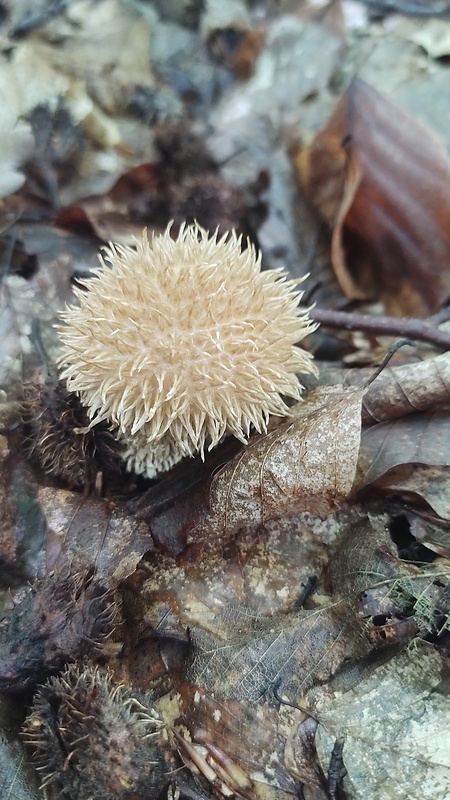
point(438, 8)
point(417, 329)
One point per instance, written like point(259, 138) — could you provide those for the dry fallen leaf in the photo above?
point(307, 464)
point(395, 725)
point(417, 482)
point(90, 531)
point(415, 439)
point(380, 179)
point(398, 391)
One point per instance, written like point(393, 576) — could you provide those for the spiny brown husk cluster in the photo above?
point(56, 621)
point(94, 740)
point(59, 440)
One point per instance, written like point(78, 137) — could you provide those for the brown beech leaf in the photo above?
point(415, 439)
point(307, 464)
point(380, 179)
point(432, 484)
point(398, 391)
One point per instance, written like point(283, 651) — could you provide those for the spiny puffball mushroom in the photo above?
point(183, 341)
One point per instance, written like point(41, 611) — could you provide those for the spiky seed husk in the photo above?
point(54, 622)
point(182, 342)
point(59, 440)
point(93, 739)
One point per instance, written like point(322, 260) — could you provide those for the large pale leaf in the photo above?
point(395, 724)
point(307, 464)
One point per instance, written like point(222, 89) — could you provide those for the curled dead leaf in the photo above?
point(415, 439)
point(307, 464)
point(380, 179)
point(402, 390)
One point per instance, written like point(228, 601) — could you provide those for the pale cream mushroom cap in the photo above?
point(183, 341)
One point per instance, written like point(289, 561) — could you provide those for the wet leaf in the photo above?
point(304, 465)
point(366, 564)
point(415, 439)
point(233, 675)
point(307, 464)
point(89, 531)
point(395, 725)
point(402, 390)
point(380, 179)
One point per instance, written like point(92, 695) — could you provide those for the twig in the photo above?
point(336, 770)
point(417, 329)
point(410, 7)
point(279, 699)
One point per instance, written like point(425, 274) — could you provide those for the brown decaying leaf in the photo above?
point(380, 179)
point(415, 439)
point(435, 534)
point(86, 531)
point(398, 391)
point(412, 481)
point(307, 464)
